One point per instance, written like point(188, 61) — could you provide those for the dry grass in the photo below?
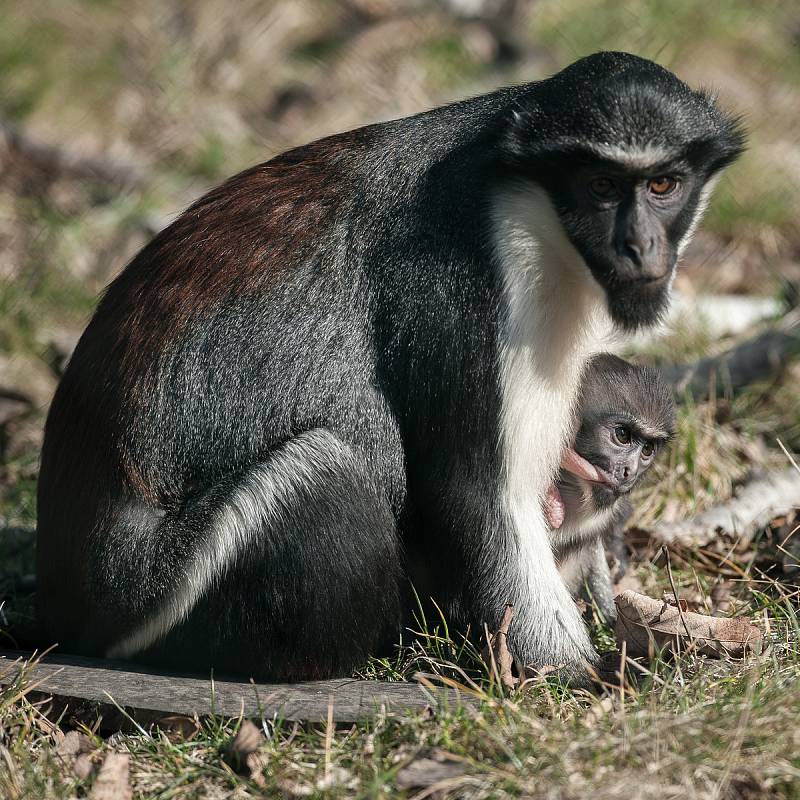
point(691, 728)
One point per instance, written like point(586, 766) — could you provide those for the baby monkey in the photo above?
point(625, 416)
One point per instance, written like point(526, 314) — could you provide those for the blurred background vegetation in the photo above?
point(114, 116)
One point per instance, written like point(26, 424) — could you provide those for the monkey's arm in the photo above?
point(606, 562)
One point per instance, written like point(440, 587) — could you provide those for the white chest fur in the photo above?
point(555, 318)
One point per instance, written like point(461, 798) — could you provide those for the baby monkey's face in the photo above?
point(625, 416)
point(620, 449)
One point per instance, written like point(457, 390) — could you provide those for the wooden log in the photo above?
point(760, 500)
point(753, 360)
point(92, 687)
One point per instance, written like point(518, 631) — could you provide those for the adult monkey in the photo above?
point(368, 345)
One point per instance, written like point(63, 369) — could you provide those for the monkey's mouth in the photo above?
point(605, 488)
point(572, 462)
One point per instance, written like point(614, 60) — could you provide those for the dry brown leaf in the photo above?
point(721, 601)
point(112, 780)
point(431, 768)
point(242, 752)
point(643, 623)
point(295, 789)
point(83, 766)
point(598, 710)
point(628, 582)
point(74, 749)
point(336, 777)
point(669, 597)
point(247, 740)
point(179, 727)
point(73, 744)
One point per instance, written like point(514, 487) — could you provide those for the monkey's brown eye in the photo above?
point(648, 449)
point(622, 435)
point(604, 188)
point(662, 186)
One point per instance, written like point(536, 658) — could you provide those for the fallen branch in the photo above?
point(752, 360)
point(756, 503)
point(123, 692)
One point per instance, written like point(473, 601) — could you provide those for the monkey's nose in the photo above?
point(624, 475)
point(640, 247)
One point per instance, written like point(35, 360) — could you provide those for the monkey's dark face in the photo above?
point(628, 226)
point(620, 451)
point(626, 415)
point(624, 150)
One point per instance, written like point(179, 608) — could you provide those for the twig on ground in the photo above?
point(498, 656)
point(770, 495)
point(753, 360)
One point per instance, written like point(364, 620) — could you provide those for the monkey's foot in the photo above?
point(512, 673)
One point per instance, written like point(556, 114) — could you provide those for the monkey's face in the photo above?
point(609, 458)
point(626, 415)
point(626, 152)
point(628, 226)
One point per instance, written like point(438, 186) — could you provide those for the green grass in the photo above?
point(18, 495)
point(754, 202)
point(44, 292)
point(448, 57)
point(47, 53)
point(711, 728)
point(673, 728)
point(771, 410)
point(688, 728)
point(667, 32)
point(25, 64)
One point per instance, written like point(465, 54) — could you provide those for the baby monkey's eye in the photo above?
point(622, 435)
point(648, 448)
point(662, 185)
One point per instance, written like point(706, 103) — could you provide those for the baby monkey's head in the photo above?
point(626, 414)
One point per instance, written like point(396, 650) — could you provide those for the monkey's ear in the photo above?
point(733, 141)
point(518, 117)
point(512, 143)
point(730, 141)
point(522, 138)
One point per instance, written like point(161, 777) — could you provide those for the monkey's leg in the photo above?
point(508, 559)
point(598, 587)
point(289, 570)
point(614, 539)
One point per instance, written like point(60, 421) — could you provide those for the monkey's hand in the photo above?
point(553, 506)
